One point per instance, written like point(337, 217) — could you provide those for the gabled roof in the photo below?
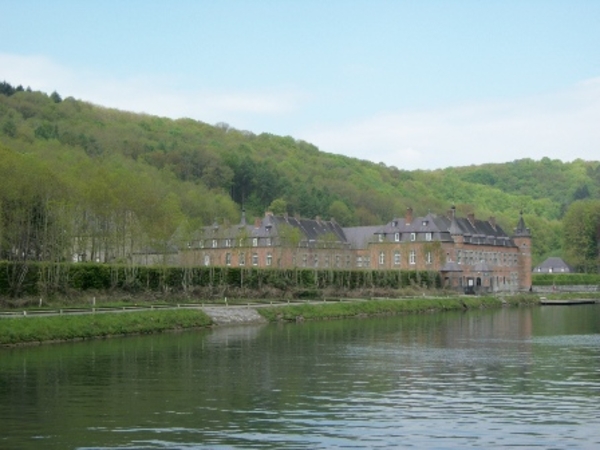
point(473, 230)
point(554, 264)
point(359, 237)
point(312, 230)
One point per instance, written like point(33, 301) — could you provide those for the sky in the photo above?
point(412, 84)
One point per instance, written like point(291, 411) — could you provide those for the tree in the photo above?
point(339, 211)
point(278, 206)
point(581, 234)
point(55, 97)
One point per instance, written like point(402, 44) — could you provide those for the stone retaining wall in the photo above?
point(566, 288)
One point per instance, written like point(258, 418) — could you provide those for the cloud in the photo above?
point(160, 96)
point(559, 125)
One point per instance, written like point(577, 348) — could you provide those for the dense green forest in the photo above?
point(72, 170)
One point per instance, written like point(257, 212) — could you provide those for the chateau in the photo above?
point(471, 255)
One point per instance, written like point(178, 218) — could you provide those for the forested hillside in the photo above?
point(70, 169)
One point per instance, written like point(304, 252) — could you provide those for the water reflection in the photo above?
point(483, 379)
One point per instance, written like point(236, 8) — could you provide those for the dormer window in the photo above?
point(425, 222)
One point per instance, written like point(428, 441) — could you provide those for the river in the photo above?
point(519, 377)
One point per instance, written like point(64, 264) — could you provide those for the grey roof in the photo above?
point(442, 228)
point(270, 226)
point(521, 229)
point(554, 264)
point(474, 231)
point(359, 237)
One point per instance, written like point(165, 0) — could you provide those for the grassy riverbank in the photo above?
point(30, 330)
point(86, 326)
point(365, 308)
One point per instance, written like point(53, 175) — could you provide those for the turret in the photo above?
point(522, 239)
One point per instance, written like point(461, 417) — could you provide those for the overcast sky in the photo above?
point(413, 84)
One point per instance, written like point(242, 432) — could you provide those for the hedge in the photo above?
point(565, 279)
point(41, 278)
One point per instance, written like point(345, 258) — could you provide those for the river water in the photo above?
point(522, 377)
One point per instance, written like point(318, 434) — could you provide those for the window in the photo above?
point(337, 260)
point(428, 258)
point(381, 258)
point(413, 236)
point(227, 242)
point(327, 261)
point(228, 259)
point(215, 243)
point(241, 242)
point(359, 261)
point(304, 260)
point(316, 261)
point(255, 259)
point(397, 258)
point(397, 237)
point(254, 242)
point(242, 260)
point(380, 237)
point(207, 260)
point(268, 242)
point(428, 236)
point(412, 259)
point(269, 259)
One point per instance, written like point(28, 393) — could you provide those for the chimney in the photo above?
point(318, 219)
point(471, 217)
point(257, 222)
point(493, 222)
point(268, 214)
point(452, 212)
point(409, 215)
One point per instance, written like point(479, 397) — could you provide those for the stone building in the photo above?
point(471, 255)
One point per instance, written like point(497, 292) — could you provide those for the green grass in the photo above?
point(323, 311)
point(87, 326)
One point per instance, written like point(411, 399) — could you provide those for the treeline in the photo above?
point(47, 280)
point(77, 176)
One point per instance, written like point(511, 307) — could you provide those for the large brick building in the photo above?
point(470, 254)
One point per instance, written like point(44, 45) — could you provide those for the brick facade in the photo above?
point(472, 255)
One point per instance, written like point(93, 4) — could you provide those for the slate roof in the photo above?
point(312, 230)
point(359, 237)
point(554, 265)
point(443, 229)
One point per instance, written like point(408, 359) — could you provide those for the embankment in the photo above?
point(32, 330)
point(325, 311)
